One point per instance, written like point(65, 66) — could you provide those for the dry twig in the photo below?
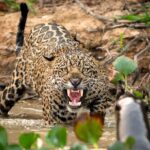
point(141, 52)
point(124, 49)
point(121, 25)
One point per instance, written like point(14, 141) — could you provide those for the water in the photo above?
point(26, 116)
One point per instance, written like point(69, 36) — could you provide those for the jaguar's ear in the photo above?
point(49, 58)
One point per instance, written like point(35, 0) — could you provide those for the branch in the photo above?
point(141, 52)
point(88, 11)
point(121, 25)
point(124, 49)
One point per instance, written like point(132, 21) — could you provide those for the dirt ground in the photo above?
point(81, 25)
point(78, 22)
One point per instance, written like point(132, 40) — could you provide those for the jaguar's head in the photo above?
point(74, 75)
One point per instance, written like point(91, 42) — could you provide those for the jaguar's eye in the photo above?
point(49, 58)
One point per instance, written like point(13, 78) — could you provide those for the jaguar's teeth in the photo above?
point(74, 103)
point(74, 95)
point(81, 92)
point(68, 92)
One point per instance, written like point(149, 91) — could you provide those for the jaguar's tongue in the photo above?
point(74, 96)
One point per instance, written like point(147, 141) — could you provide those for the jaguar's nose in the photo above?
point(75, 81)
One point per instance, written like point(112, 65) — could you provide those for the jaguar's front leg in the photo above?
point(10, 96)
point(14, 91)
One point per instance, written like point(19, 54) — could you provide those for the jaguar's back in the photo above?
point(49, 40)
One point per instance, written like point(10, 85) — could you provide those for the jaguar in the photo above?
point(66, 77)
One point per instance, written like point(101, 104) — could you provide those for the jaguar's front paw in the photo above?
point(3, 112)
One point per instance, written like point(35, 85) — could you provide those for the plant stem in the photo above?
point(126, 83)
point(95, 145)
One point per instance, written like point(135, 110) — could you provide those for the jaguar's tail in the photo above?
point(21, 26)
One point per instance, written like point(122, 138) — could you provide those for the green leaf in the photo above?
point(118, 77)
point(88, 129)
point(78, 146)
point(129, 143)
point(2, 147)
point(13, 147)
point(142, 18)
point(3, 137)
point(117, 146)
point(131, 17)
point(57, 137)
point(138, 94)
point(12, 4)
point(125, 65)
point(26, 140)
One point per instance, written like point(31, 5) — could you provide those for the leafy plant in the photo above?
point(139, 18)
point(78, 146)
point(3, 138)
point(12, 4)
point(89, 129)
point(4, 141)
point(142, 18)
point(57, 137)
point(27, 140)
point(121, 40)
point(127, 145)
point(125, 66)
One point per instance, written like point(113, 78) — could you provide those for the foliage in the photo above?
point(57, 137)
point(4, 141)
point(89, 129)
point(77, 146)
point(13, 5)
point(127, 145)
point(27, 140)
point(125, 66)
point(121, 41)
point(139, 18)
point(142, 18)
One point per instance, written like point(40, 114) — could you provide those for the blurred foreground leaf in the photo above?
point(57, 137)
point(79, 147)
point(3, 137)
point(88, 128)
point(14, 147)
point(27, 140)
point(117, 146)
point(129, 143)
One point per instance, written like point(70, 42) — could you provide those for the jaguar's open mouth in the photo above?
point(75, 97)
